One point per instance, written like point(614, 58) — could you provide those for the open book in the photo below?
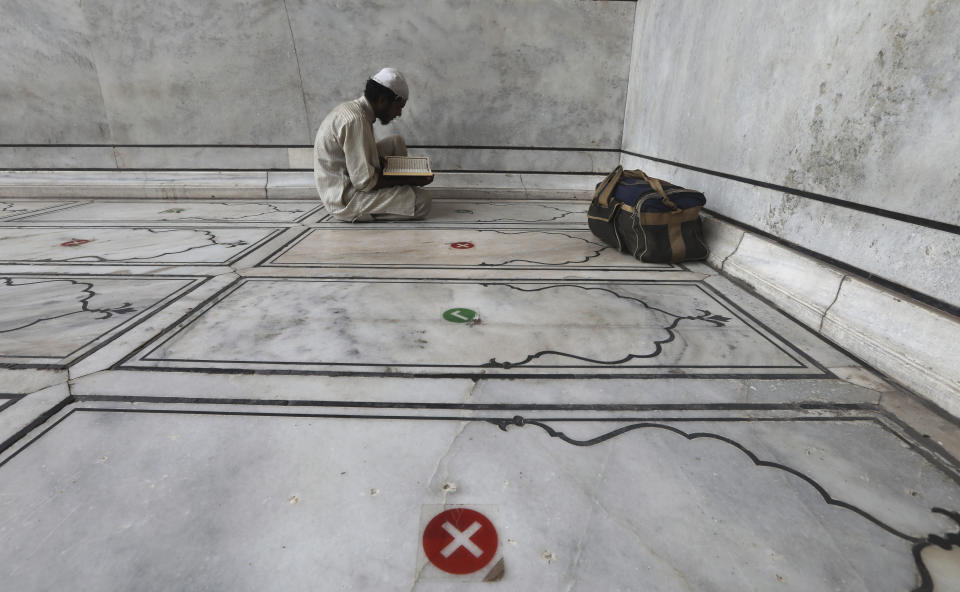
point(407, 165)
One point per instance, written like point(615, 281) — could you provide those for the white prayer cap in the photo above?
point(393, 79)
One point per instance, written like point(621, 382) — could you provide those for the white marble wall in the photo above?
point(50, 91)
point(856, 103)
point(544, 73)
point(906, 254)
point(853, 101)
point(496, 72)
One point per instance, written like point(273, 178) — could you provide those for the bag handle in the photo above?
point(605, 188)
point(656, 185)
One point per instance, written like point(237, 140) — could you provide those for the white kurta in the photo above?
point(346, 165)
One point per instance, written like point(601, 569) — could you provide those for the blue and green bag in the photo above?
point(655, 221)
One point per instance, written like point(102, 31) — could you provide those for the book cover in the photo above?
point(407, 166)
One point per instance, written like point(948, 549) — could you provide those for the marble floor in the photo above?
point(252, 396)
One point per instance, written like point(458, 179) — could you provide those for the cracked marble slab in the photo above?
point(95, 245)
point(659, 505)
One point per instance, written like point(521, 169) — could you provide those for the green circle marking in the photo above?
point(459, 315)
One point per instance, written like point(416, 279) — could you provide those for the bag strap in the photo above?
point(656, 185)
point(606, 187)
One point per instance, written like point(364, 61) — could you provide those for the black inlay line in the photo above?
point(856, 359)
point(160, 226)
point(55, 276)
point(523, 172)
point(500, 267)
point(169, 331)
point(282, 249)
point(155, 169)
point(671, 331)
point(637, 407)
point(24, 220)
point(37, 422)
point(311, 367)
point(916, 220)
point(56, 207)
point(476, 375)
point(226, 413)
point(467, 226)
point(880, 415)
point(285, 146)
point(520, 421)
point(208, 231)
point(526, 225)
point(569, 217)
point(918, 543)
point(798, 367)
point(906, 291)
point(720, 296)
point(273, 260)
point(524, 148)
point(100, 341)
point(435, 280)
point(10, 400)
point(733, 308)
point(208, 223)
point(931, 450)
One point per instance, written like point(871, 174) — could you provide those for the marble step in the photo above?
point(907, 340)
point(270, 185)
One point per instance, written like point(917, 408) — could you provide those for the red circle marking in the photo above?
point(75, 242)
point(460, 541)
point(462, 245)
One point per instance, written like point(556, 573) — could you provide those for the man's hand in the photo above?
point(421, 180)
point(394, 181)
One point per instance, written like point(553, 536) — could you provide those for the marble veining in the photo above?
point(367, 246)
point(99, 245)
point(666, 505)
point(501, 328)
point(52, 320)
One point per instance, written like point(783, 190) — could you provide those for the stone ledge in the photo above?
point(905, 339)
point(299, 185)
point(270, 185)
point(133, 184)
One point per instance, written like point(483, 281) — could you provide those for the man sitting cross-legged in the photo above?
point(347, 161)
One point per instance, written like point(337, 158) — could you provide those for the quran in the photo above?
point(407, 165)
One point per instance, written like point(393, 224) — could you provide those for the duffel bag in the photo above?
point(655, 221)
